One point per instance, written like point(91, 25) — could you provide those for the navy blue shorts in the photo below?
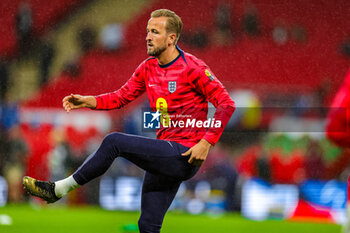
point(165, 170)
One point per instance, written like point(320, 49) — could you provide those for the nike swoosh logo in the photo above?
point(152, 85)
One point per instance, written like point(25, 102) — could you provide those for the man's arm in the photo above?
point(204, 81)
point(133, 88)
point(198, 152)
point(74, 101)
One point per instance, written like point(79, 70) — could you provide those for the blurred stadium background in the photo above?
point(281, 61)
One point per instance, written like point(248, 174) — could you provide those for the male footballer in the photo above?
point(179, 87)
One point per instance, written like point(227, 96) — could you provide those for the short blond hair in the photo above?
point(174, 23)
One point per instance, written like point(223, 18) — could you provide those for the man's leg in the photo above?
point(158, 193)
point(153, 155)
point(156, 156)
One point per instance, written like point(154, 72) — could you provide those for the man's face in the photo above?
point(157, 37)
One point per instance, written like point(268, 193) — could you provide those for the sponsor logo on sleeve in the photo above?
point(209, 75)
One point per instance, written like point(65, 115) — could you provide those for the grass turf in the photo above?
point(56, 219)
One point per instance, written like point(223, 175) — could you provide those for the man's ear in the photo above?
point(171, 38)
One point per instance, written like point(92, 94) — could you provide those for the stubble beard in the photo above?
point(156, 51)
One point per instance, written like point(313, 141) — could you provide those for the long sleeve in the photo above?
point(133, 88)
point(213, 90)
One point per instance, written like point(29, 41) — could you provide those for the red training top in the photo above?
point(180, 91)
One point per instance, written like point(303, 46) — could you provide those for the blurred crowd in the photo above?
point(229, 28)
point(42, 151)
point(281, 159)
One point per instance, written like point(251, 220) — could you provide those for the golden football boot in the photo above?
point(43, 189)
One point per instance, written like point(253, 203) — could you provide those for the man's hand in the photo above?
point(198, 152)
point(78, 101)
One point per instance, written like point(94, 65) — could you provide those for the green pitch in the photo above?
point(57, 219)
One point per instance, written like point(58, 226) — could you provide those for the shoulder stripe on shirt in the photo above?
point(190, 72)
